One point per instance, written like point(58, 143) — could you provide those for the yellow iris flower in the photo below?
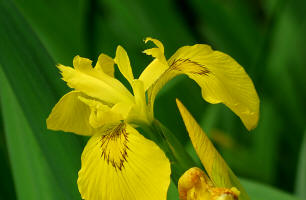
point(118, 162)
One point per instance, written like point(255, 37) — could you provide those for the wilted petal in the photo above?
point(194, 185)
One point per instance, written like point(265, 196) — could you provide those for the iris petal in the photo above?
point(124, 65)
point(220, 77)
point(123, 165)
point(105, 64)
point(70, 115)
point(94, 83)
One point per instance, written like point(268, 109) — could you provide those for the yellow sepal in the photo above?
point(220, 77)
point(122, 164)
point(70, 115)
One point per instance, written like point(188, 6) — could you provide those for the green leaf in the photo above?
point(7, 190)
point(263, 192)
point(27, 67)
point(61, 31)
point(33, 177)
point(262, 150)
point(301, 172)
point(172, 192)
point(230, 26)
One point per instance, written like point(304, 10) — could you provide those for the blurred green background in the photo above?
point(267, 37)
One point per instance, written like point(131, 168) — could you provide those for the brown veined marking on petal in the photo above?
point(181, 65)
point(115, 137)
point(188, 66)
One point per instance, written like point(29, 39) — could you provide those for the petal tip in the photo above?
point(61, 67)
point(119, 48)
point(119, 51)
point(179, 104)
point(147, 39)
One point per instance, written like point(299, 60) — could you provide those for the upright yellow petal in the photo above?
point(139, 112)
point(139, 93)
point(94, 83)
point(157, 67)
point(105, 64)
point(217, 169)
point(70, 115)
point(221, 78)
point(124, 65)
point(82, 64)
point(123, 165)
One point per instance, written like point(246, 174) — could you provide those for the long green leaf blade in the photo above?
point(32, 175)
point(25, 63)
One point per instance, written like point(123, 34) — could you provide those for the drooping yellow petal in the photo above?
point(222, 80)
point(123, 165)
point(217, 169)
point(70, 115)
point(105, 64)
point(94, 83)
point(220, 77)
point(124, 65)
point(157, 67)
point(82, 64)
